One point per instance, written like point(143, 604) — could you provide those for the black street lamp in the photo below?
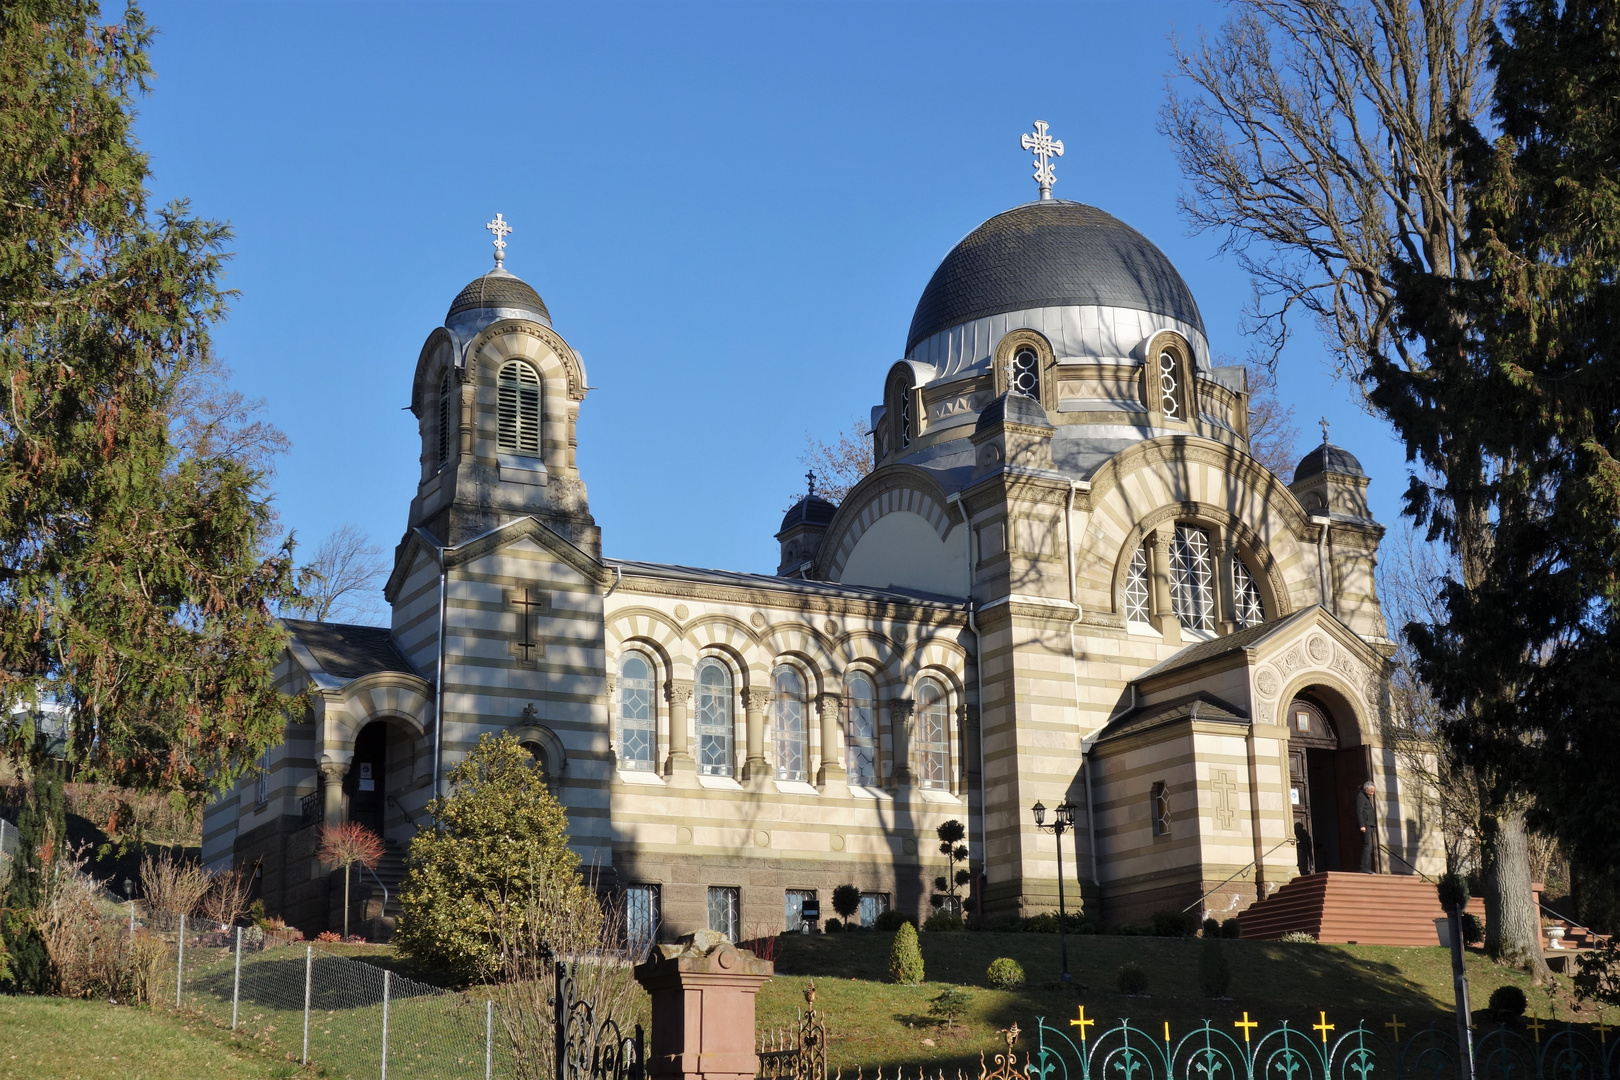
point(1062, 822)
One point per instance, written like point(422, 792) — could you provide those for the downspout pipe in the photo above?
point(438, 674)
point(1074, 667)
point(955, 499)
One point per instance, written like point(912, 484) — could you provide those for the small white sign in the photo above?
point(1293, 795)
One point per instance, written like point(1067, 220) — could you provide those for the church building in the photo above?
point(1066, 582)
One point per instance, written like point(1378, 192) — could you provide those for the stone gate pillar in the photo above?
point(702, 992)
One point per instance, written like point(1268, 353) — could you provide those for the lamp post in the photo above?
point(1062, 821)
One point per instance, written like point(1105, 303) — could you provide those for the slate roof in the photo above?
point(348, 651)
point(1199, 706)
point(1327, 458)
point(811, 510)
point(498, 289)
point(767, 581)
point(1052, 253)
point(1201, 651)
point(1013, 408)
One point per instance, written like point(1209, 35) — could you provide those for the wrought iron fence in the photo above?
point(799, 1054)
point(589, 1048)
point(1325, 1051)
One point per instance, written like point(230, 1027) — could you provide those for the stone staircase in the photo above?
point(390, 871)
point(1340, 907)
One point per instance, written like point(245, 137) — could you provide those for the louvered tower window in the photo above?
point(1136, 588)
point(444, 418)
point(519, 409)
point(1246, 597)
point(1192, 578)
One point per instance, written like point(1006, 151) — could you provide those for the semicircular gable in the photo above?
point(891, 489)
point(858, 646)
point(1273, 586)
point(437, 351)
point(533, 342)
point(726, 631)
point(1175, 463)
point(803, 640)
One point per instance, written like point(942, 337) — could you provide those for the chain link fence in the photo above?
point(300, 1002)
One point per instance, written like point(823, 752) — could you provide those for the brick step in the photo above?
point(1337, 906)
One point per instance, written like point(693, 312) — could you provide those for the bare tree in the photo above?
point(343, 580)
point(840, 464)
point(211, 419)
point(1316, 136)
point(1273, 435)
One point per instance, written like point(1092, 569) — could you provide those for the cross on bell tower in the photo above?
point(1045, 148)
point(501, 229)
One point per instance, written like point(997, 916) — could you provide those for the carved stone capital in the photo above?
point(755, 698)
point(678, 692)
point(1162, 538)
point(830, 706)
point(902, 709)
point(333, 772)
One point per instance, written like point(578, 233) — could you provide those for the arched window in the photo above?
point(907, 427)
point(637, 725)
point(714, 718)
point(787, 723)
point(1246, 597)
point(1192, 578)
point(933, 749)
point(518, 409)
point(1169, 386)
point(1025, 376)
point(444, 418)
point(1136, 588)
point(861, 710)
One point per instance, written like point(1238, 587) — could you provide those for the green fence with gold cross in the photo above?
point(1080, 1050)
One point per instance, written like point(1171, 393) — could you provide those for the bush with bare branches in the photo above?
point(173, 885)
point(226, 900)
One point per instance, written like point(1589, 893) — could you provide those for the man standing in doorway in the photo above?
point(1368, 822)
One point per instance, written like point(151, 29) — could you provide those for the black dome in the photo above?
point(810, 510)
point(498, 289)
point(1327, 458)
point(1051, 253)
point(1013, 408)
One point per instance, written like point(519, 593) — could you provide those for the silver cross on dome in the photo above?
point(1045, 148)
point(500, 228)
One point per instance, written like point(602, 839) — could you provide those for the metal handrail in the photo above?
point(1415, 870)
point(1233, 878)
point(381, 886)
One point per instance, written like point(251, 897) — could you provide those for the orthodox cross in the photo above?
point(1324, 423)
point(1323, 1026)
point(810, 475)
point(530, 606)
point(1224, 790)
point(500, 228)
point(1246, 1024)
point(1045, 148)
point(1082, 1023)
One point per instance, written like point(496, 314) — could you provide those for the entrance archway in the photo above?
point(1323, 777)
point(365, 786)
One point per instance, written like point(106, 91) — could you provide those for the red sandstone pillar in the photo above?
point(702, 1008)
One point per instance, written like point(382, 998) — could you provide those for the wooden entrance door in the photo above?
point(1313, 785)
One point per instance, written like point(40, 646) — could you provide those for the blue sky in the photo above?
point(730, 210)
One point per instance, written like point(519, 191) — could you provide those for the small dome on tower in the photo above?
point(500, 291)
point(1013, 408)
point(1327, 458)
point(810, 510)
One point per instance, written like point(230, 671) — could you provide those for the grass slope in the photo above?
point(55, 1039)
point(872, 1022)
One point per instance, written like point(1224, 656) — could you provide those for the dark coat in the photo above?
point(1365, 816)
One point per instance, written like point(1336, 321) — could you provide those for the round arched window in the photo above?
point(518, 409)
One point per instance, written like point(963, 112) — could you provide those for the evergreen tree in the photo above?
point(133, 579)
point(41, 834)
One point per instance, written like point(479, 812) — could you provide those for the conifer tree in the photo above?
point(41, 834)
point(134, 581)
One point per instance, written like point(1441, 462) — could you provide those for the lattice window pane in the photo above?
point(1026, 373)
point(1169, 389)
point(723, 911)
point(787, 723)
point(873, 905)
point(714, 725)
point(518, 409)
point(1192, 578)
point(637, 723)
point(1136, 588)
point(641, 918)
point(793, 909)
point(906, 429)
point(932, 740)
point(1160, 799)
point(861, 733)
point(444, 418)
point(1246, 596)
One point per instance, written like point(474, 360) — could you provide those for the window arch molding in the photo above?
point(934, 752)
point(1264, 569)
point(447, 418)
point(519, 408)
point(1010, 346)
point(639, 726)
point(903, 411)
point(791, 719)
point(546, 739)
point(1168, 355)
point(861, 720)
point(735, 684)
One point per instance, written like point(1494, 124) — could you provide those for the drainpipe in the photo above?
point(1074, 668)
point(955, 499)
point(1323, 573)
point(438, 675)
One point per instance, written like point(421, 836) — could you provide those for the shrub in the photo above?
point(846, 901)
point(1598, 978)
point(1299, 937)
point(345, 846)
point(1047, 923)
point(1473, 931)
point(1167, 923)
point(1004, 974)
point(1131, 979)
point(173, 886)
point(1214, 974)
point(950, 1005)
point(905, 958)
point(1507, 1004)
point(473, 883)
point(328, 937)
point(1453, 892)
point(894, 920)
point(1232, 929)
point(1212, 927)
point(832, 926)
point(944, 921)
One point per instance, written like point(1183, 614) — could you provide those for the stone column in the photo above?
point(333, 773)
point(901, 711)
point(1164, 610)
point(756, 768)
point(678, 692)
point(830, 707)
point(1226, 615)
point(702, 992)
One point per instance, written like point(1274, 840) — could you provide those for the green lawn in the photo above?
point(53, 1039)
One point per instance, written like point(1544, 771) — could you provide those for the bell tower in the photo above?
point(496, 398)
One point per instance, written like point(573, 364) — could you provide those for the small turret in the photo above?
point(803, 526)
